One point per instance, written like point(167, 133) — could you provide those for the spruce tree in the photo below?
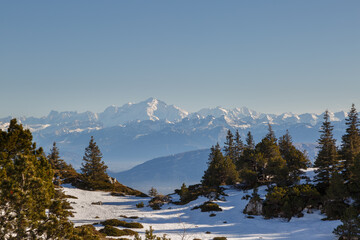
point(350, 147)
point(93, 168)
point(248, 163)
point(229, 146)
point(273, 167)
point(63, 172)
point(29, 207)
point(295, 159)
point(239, 147)
point(350, 229)
point(327, 160)
point(221, 170)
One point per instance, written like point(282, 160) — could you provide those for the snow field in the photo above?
point(180, 222)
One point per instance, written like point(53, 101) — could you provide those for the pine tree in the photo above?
point(229, 146)
point(63, 172)
point(221, 170)
point(93, 169)
point(238, 148)
point(350, 147)
point(273, 167)
point(295, 159)
point(350, 229)
point(28, 202)
point(250, 141)
point(327, 160)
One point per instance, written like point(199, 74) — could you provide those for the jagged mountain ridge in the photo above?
point(136, 132)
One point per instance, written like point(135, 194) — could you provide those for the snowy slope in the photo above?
point(180, 222)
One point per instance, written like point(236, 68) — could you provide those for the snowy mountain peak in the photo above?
point(150, 109)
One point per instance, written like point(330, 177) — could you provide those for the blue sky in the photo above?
point(271, 56)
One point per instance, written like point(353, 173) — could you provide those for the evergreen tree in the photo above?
point(63, 172)
point(239, 147)
point(153, 192)
point(273, 167)
point(29, 207)
point(350, 229)
point(93, 169)
point(354, 180)
point(327, 160)
point(221, 170)
point(250, 144)
point(334, 200)
point(229, 146)
point(295, 159)
point(247, 156)
point(248, 163)
point(350, 147)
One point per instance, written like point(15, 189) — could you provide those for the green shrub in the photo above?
point(287, 202)
point(140, 205)
point(219, 238)
point(209, 207)
point(119, 223)
point(112, 231)
point(87, 232)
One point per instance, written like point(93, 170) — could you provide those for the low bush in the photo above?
point(112, 231)
point(87, 232)
point(158, 201)
point(219, 238)
point(209, 207)
point(119, 223)
point(140, 205)
point(287, 202)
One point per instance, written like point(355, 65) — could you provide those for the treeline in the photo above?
point(279, 165)
point(270, 161)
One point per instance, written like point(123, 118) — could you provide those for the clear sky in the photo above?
point(271, 56)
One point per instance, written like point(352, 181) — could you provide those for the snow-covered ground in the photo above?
point(180, 222)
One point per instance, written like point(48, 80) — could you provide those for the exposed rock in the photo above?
point(254, 207)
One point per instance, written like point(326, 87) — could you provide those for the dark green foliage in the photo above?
point(86, 232)
point(350, 228)
point(153, 192)
point(229, 147)
point(112, 231)
point(287, 202)
point(219, 238)
point(221, 170)
point(63, 173)
point(140, 205)
point(271, 166)
point(30, 205)
point(239, 147)
point(94, 176)
point(209, 207)
point(327, 160)
point(334, 200)
point(158, 201)
point(184, 194)
point(354, 180)
point(350, 146)
point(119, 223)
point(295, 159)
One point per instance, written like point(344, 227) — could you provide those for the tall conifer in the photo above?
point(350, 147)
point(327, 160)
point(93, 168)
point(295, 159)
point(29, 207)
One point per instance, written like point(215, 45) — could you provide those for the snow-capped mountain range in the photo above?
point(136, 132)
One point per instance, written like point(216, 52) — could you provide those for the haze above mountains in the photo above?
point(136, 132)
